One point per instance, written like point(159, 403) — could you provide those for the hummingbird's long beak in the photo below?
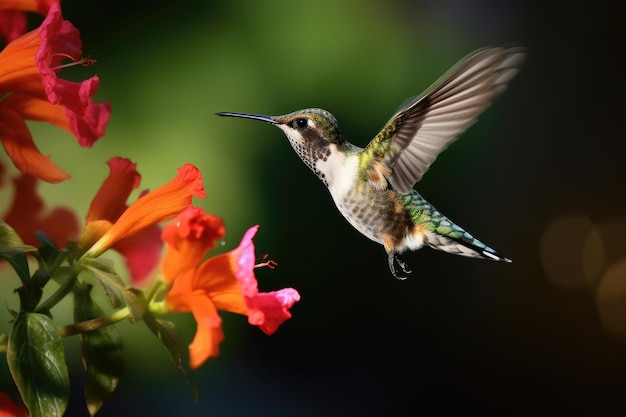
point(260, 117)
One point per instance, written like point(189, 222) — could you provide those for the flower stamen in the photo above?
point(271, 264)
point(85, 61)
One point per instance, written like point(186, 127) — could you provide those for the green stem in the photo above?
point(58, 261)
point(58, 295)
point(93, 324)
point(159, 287)
point(158, 307)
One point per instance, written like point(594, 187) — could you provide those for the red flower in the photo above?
point(8, 408)
point(26, 215)
point(133, 230)
point(223, 282)
point(28, 78)
point(13, 18)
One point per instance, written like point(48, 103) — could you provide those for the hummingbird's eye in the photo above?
point(301, 123)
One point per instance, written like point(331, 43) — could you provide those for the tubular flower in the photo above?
point(32, 91)
point(142, 250)
point(110, 223)
point(223, 282)
point(192, 235)
point(26, 215)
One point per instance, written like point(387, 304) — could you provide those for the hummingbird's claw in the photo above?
point(395, 260)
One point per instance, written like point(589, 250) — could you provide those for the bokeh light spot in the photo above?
point(611, 299)
point(571, 248)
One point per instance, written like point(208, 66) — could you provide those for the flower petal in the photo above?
point(217, 278)
point(110, 201)
point(209, 332)
point(228, 279)
point(266, 310)
point(269, 310)
point(87, 128)
point(209, 335)
point(164, 203)
point(18, 72)
point(19, 145)
point(245, 259)
point(61, 225)
point(90, 125)
point(60, 40)
point(8, 408)
point(142, 252)
point(179, 294)
point(12, 24)
point(38, 6)
point(189, 237)
point(26, 215)
point(13, 19)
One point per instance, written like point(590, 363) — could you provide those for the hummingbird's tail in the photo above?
point(462, 243)
point(441, 233)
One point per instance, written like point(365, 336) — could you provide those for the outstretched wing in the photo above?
point(411, 140)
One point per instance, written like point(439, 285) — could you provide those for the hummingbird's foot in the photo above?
point(395, 262)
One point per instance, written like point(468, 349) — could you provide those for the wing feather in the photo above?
point(414, 137)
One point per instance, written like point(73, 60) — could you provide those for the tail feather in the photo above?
point(465, 245)
point(441, 233)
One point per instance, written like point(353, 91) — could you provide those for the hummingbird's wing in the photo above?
point(411, 140)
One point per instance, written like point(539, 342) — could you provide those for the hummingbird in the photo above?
point(373, 186)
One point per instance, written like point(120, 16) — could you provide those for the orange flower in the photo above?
point(189, 238)
point(142, 250)
point(223, 282)
point(110, 223)
point(32, 91)
point(39, 6)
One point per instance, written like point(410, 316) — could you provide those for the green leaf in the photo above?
point(37, 363)
point(19, 263)
point(40, 278)
point(136, 302)
point(29, 297)
point(167, 335)
point(48, 249)
point(115, 289)
point(14, 251)
point(102, 352)
point(107, 278)
point(11, 243)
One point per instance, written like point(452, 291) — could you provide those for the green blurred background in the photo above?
point(540, 178)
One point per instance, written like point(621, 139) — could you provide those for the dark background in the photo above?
point(541, 178)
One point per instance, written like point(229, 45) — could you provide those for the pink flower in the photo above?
point(223, 282)
point(28, 78)
point(13, 18)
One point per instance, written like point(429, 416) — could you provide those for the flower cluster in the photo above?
point(223, 282)
point(32, 90)
point(68, 256)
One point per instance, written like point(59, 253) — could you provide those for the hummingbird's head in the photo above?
point(313, 133)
